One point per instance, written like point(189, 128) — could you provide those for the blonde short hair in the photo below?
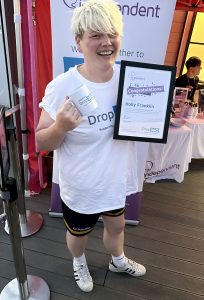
point(97, 15)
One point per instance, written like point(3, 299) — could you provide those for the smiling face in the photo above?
point(99, 49)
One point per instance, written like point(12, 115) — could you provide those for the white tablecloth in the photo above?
point(170, 160)
point(197, 126)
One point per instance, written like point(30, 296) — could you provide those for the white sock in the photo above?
point(81, 260)
point(119, 261)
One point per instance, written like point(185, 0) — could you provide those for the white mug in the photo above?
point(83, 100)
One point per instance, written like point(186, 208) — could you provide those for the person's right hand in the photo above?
point(68, 117)
point(190, 87)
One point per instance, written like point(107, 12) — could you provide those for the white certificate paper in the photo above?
point(144, 101)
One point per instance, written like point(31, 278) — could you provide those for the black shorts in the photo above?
point(81, 224)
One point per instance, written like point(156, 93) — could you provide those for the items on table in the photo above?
point(189, 110)
point(201, 100)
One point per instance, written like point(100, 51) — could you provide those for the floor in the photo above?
point(169, 241)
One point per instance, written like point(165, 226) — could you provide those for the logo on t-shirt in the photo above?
point(106, 118)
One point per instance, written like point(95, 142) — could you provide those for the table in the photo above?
point(170, 160)
point(197, 126)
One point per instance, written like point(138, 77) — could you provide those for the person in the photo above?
point(95, 171)
point(190, 79)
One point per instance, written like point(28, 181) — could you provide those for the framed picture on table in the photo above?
point(179, 98)
point(144, 102)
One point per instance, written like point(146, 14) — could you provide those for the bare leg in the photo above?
point(114, 242)
point(113, 236)
point(75, 244)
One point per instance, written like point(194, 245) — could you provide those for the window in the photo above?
point(196, 44)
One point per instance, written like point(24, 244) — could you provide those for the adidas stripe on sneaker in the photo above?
point(83, 277)
point(130, 267)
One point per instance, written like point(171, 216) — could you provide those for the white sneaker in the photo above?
point(130, 267)
point(83, 277)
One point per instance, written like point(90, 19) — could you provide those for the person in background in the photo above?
point(190, 79)
point(96, 172)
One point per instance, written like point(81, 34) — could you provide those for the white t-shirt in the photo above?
point(96, 172)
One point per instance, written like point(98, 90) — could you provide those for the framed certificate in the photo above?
point(179, 98)
point(144, 102)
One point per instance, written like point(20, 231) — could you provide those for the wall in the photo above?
point(175, 37)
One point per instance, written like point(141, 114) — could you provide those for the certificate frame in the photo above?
point(179, 98)
point(144, 102)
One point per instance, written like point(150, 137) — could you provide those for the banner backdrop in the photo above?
point(147, 25)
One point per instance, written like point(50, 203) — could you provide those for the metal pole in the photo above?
point(22, 287)
point(21, 91)
point(16, 167)
point(9, 196)
point(30, 222)
point(7, 58)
